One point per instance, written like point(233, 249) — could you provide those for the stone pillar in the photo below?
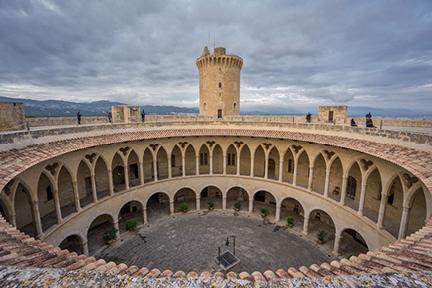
point(126, 176)
point(183, 164)
point(145, 215)
point(404, 222)
point(278, 210)
point(305, 225)
point(224, 163)
point(198, 203)
point(310, 178)
point(13, 220)
point(211, 162)
point(85, 248)
point(141, 172)
point(336, 244)
point(171, 208)
point(110, 182)
point(343, 190)
point(197, 164)
point(224, 198)
point(382, 209)
point(295, 173)
point(281, 169)
point(250, 204)
point(155, 170)
point(57, 206)
point(169, 168)
point(252, 165)
point(76, 195)
point(117, 229)
point(37, 219)
point(327, 180)
point(93, 184)
point(362, 199)
point(238, 164)
point(266, 159)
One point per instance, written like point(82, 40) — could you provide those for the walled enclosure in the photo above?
point(333, 114)
point(11, 116)
point(219, 83)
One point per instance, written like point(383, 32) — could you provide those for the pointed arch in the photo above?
point(319, 174)
point(231, 157)
point(84, 184)
point(148, 166)
point(335, 179)
point(133, 169)
point(288, 167)
point(217, 160)
point(204, 160)
point(394, 207)
point(245, 161)
point(46, 202)
point(259, 162)
point(25, 219)
point(373, 195)
point(176, 162)
point(190, 159)
point(417, 211)
point(353, 188)
point(273, 164)
point(118, 173)
point(101, 179)
point(66, 193)
point(162, 163)
point(302, 176)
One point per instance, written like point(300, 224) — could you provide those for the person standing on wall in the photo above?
point(143, 115)
point(309, 117)
point(109, 117)
point(79, 118)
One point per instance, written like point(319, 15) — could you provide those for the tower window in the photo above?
point(235, 105)
point(220, 84)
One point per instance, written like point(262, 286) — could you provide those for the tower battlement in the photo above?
point(219, 83)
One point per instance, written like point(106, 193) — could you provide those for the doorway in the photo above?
point(330, 116)
point(219, 113)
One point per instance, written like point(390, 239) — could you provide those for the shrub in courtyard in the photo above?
point(131, 224)
point(264, 212)
point(109, 236)
point(184, 207)
point(290, 221)
point(322, 237)
point(211, 205)
point(237, 205)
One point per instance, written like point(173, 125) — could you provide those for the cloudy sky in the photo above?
point(297, 54)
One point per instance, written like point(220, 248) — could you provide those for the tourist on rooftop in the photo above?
point(309, 117)
point(353, 123)
point(109, 117)
point(143, 115)
point(79, 118)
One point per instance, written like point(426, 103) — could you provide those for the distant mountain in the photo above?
point(387, 112)
point(65, 108)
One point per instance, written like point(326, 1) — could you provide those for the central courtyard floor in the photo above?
point(190, 241)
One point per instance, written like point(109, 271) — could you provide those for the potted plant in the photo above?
point(184, 207)
point(109, 236)
point(290, 221)
point(322, 237)
point(131, 224)
point(264, 214)
point(237, 206)
point(211, 205)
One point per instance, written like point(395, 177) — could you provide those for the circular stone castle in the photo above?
point(303, 201)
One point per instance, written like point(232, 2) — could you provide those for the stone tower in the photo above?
point(219, 83)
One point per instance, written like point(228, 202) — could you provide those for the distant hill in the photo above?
point(34, 108)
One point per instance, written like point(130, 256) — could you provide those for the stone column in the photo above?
point(85, 248)
point(250, 204)
point(224, 163)
point(211, 162)
point(382, 209)
point(117, 229)
point(155, 170)
point(126, 176)
point(327, 180)
point(336, 244)
point(57, 206)
point(93, 184)
point(362, 199)
point(145, 215)
point(76, 195)
point(224, 198)
point(252, 166)
point(295, 173)
point(13, 220)
point(343, 190)
point(266, 159)
point(310, 178)
point(404, 222)
point(305, 225)
point(198, 203)
point(278, 210)
point(169, 168)
point(183, 164)
point(238, 164)
point(281, 169)
point(37, 219)
point(197, 164)
point(141, 172)
point(110, 182)
point(171, 208)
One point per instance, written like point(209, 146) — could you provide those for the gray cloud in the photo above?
point(297, 53)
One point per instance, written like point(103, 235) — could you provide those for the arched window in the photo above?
point(235, 105)
point(351, 187)
point(220, 84)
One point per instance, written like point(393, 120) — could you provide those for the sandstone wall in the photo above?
point(11, 116)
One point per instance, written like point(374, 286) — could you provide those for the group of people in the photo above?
point(369, 122)
point(109, 115)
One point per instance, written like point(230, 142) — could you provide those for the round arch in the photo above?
point(322, 223)
point(73, 243)
point(211, 197)
point(97, 231)
point(237, 197)
point(263, 199)
point(131, 210)
point(157, 206)
point(185, 195)
point(294, 209)
point(351, 243)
